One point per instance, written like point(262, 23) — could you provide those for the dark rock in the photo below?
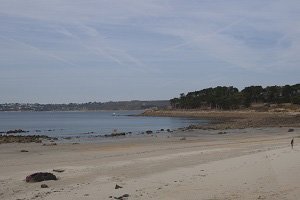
point(49, 144)
point(162, 129)
point(16, 131)
point(24, 150)
point(58, 170)
point(125, 196)
point(115, 134)
point(44, 186)
point(149, 132)
point(40, 176)
point(89, 133)
point(291, 130)
point(183, 138)
point(118, 187)
point(222, 133)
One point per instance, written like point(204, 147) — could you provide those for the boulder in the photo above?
point(40, 176)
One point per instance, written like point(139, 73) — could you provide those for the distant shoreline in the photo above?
point(29, 111)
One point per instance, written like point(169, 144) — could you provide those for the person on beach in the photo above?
point(292, 143)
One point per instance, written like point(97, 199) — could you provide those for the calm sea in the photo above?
point(87, 124)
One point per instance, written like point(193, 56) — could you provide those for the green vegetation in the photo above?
point(231, 98)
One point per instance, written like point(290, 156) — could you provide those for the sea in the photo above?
point(66, 125)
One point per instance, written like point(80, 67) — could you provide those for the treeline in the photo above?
point(231, 98)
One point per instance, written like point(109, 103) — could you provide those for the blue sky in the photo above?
point(63, 51)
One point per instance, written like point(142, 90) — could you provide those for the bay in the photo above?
point(85, 124)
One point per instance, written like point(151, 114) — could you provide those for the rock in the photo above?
point(183, 138)
point(118, 187)
point(40, 176)
point(291, 130)
point(49, 144)
point(222, 133)
point(44, 186)
point(24, 150)
point(16, 131)
point(125, 196)
point(149, 132)
point(114, 134)
point(58, 170)
point(162, 129)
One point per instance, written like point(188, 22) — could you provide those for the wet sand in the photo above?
point(251, 163)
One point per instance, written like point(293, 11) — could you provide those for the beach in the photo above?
point(249, 163)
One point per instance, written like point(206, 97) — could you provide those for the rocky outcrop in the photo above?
point(22, 139)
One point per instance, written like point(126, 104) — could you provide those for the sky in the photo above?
point(63, 51)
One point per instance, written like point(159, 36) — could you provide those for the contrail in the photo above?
point(40, 51)
point(107, 51)
point(95, 50)
point(203, 37)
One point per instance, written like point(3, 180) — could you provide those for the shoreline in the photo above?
point(217, 120)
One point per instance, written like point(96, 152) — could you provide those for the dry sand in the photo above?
point(255, 163)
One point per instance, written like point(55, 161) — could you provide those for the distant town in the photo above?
point(90, 106)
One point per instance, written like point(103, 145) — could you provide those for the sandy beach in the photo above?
point(251, 163)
